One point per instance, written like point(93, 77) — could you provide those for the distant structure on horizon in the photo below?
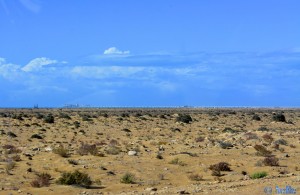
point(71, 106)
point(76, 106)
point(35, 106)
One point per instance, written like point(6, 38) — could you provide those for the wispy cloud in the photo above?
point(115, 51)
point(9, 71)
point(37, 63)
point(253, 75)
point(97, 72)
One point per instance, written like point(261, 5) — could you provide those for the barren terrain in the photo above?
point(161, 151)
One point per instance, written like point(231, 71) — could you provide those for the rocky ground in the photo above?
point(149, 151)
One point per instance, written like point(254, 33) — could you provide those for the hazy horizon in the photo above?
point(150, 54)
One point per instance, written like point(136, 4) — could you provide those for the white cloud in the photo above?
point(8, 70)
point(105, 72)
point(2, 61)
point(115, 51)
point(37, 63)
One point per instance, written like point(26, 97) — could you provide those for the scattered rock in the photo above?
point(286, 155)
point(183, 192)
point(132, 153)
point(110, 173)
point(48, 149)
point(35, 149)
point(151, 189)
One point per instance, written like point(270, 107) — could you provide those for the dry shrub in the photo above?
point(268, 137)
point(199, 139)
point(75, 178)
point(271, 161)
point(262, 151)
point(221, 166)
point(42, 180)
point(250, 135)
point(195, 177)
point(11, 149)
point(113, 150)
point(63, 152)
point(86, 149)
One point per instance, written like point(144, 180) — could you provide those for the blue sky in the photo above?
point(149, 53)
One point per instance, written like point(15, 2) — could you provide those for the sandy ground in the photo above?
point(185, 149)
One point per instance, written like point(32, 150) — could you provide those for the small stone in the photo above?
point(183, 192)
point(48, 149)
point(151, 189)
point(132, 153)
point(246, 177)
point(286, 155)
point(35, 149)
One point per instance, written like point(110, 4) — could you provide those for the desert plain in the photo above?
point(150, 151)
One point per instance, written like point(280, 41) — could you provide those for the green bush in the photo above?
point(75, 178)
point(258, 175)
point(128, 178)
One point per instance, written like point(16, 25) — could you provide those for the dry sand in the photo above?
point(149, 132)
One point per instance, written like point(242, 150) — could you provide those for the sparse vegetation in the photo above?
point(281, 142)
point(268, 138)
point(113, 150)
point(11, 134)
point(256, 117)
point(195, 177)
point(221, 166)
point(10, 165)
point(279, 117)
point(225, 145)
point(73, 162)
point(262, 151)
point(258, 175)
point(49, 118)
point(159, 150)
point(184, 118)
point(75, 178)
point(42, 180)
point(128, 178)
point(11, 149)
point(36, 136)
point(62, 151)
point(86, 149)
point(64, 116)
point(250, 135)
point(176, 161)
point(271, 161)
